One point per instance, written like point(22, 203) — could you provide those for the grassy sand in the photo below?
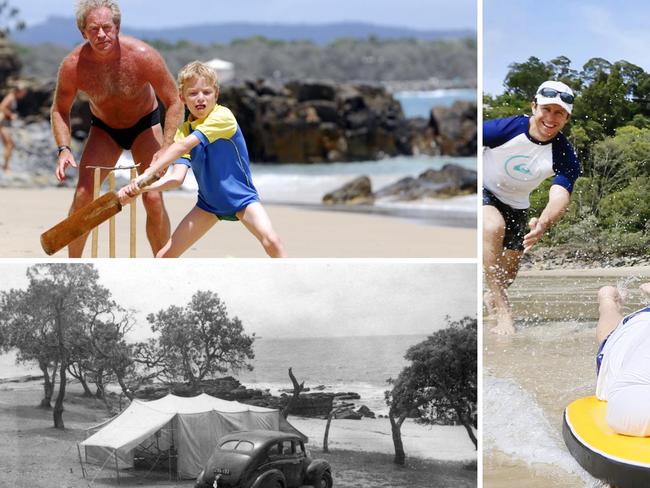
point(33, 454)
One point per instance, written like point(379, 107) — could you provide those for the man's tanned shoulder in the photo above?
point(136, 47)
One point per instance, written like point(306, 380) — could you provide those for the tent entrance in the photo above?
point(158, 453)
point(155, 458)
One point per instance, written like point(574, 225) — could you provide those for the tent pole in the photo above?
point(83, 471)
point(117, 471)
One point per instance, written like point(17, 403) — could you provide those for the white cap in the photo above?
point(558, 86)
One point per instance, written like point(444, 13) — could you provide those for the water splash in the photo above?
point(506, 408)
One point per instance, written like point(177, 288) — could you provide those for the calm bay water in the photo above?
point(359, 364)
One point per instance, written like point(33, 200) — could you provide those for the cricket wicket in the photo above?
point(111, 223)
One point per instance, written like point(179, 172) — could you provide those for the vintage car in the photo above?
point(263, 459)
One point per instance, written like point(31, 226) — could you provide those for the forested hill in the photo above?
point(63, 31)
point(440, 63)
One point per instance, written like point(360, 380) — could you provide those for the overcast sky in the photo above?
point(514, 30)
point(295, 298)
point(417, 14)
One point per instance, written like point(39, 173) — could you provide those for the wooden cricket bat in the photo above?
point(85, 219)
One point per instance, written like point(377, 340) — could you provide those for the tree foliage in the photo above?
point(440, 383)
point(196, 341)
point(48, 321)
point(9, 19)
point(610, 131)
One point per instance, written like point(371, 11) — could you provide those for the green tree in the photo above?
point(593, 68)
point(627, 209)
point(197, 341)
point(504, 105)
point(523, 79)
point(562, 71)
point(440, 383)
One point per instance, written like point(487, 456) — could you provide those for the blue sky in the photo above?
point(514, 30)
point(418, 14)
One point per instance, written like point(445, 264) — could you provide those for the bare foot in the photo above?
point(611, 293)
point(505, 326)
point(488, 301)
point(645, 288)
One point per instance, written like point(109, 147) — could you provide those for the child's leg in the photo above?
point(191, 229)
point(257, 221)
point(610, 314)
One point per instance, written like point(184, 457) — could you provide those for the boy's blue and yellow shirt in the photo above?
point(219, 162)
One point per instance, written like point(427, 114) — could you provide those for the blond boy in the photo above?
point(212, 144)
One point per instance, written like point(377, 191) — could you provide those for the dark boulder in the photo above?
point(357, 191)
point(454, 128)
point(451, 180)
point(312, 90)
point(365, 412)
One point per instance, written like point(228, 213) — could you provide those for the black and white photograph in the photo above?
point(320, 374)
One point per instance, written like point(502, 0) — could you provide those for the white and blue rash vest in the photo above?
point(514, 163)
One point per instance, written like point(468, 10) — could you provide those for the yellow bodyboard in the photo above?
point(586, 419)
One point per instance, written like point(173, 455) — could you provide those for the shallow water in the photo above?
point(530, 377)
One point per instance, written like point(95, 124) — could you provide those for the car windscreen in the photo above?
point(237, 445)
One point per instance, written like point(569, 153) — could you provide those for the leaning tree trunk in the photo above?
point(120, 381)
point(297, 388)
point(84, 384)
point(327, 431)
point(58, 406)
point(48, 387)
point(470, 432)
point(100, 391)
point(395, 427)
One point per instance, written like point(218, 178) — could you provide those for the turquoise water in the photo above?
point(306, 184)
point(420, 103)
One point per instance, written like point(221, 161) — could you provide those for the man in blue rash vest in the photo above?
point(623, 363)
point(519, 153)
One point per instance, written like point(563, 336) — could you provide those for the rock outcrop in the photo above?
point(318, 404)
point(10, 64)
point(449, 181)
point(454, 128)
point(357, 191)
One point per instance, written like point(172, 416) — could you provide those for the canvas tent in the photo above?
point(188, 427)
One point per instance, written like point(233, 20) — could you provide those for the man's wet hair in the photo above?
point(85, 6)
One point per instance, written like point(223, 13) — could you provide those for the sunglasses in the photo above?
point(552, 93)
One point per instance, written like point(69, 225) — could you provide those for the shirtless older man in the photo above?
point(122, 76)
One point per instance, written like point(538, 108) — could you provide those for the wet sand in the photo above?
point(530, 377)
point(26, 213)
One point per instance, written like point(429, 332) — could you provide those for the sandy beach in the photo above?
point(26, 213)
point(34, 454)
point(530, 377)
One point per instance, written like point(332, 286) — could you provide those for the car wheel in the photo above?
point(273, 481)
point(323, 480)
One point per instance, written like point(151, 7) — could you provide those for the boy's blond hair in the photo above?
point(196, 69)
point(85, 6)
